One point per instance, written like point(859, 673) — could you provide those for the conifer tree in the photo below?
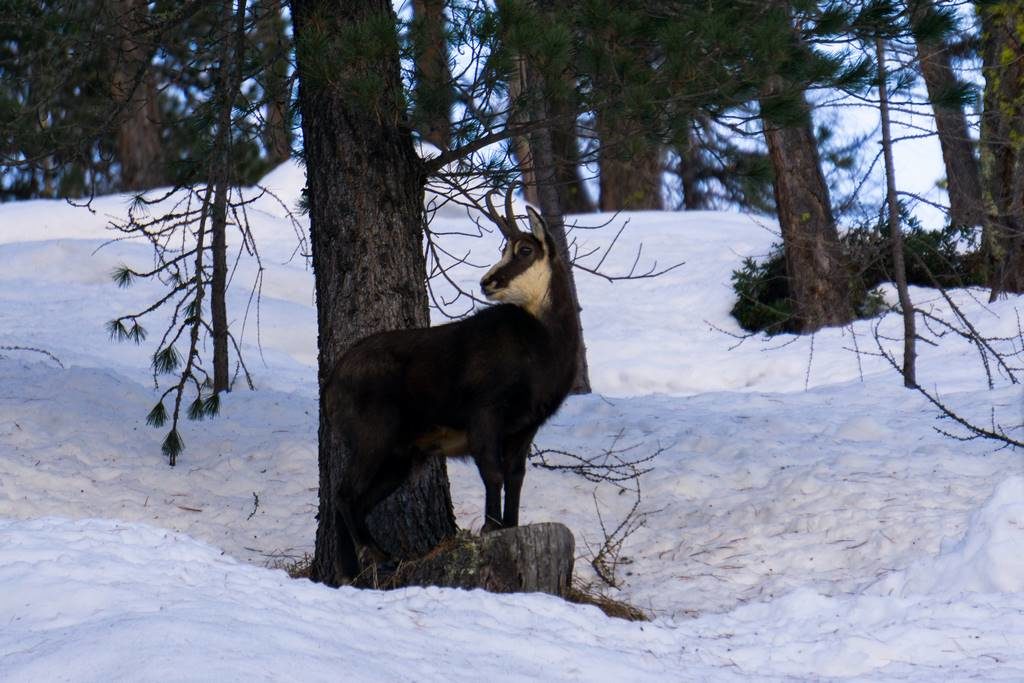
point(1002, 142)
point(933, 26)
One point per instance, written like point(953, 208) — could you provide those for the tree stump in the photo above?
point(525, 559)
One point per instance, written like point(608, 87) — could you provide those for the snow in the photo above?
point(802, 518)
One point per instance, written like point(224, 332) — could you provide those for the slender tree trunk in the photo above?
point(228, 84)
point(565, 145)
point(277, 129)
point(218, 287)
point(1002, 142)
point(690, 167)
point(895, 231)
point(365, 186)
point(434, 95)
point(544, 164)
point(818, 284)
point(520, 144)
point(962, 174)
point(630, 167)
point(562, 117)
point(138, 145)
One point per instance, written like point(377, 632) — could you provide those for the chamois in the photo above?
point(479, 387)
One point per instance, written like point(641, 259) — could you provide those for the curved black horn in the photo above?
point(507, 225)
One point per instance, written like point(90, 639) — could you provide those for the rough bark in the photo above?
point(963, 177)
point(277, 131)
point(1002, 142)
point(565, 146)
point(520, 144)
point(365, 188)
point(525, 559)
point(434, 95)
point(542, 153)
point(630, 167)
point(818, 285)
point(895, 230)
point(227, 84)
point(133, 85)
point(690, 168)
point(218, 287)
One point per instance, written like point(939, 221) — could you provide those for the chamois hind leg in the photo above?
point(485, 445)
point(516, 451)
point(348, 543)
point(393, 471)
point(366, 453)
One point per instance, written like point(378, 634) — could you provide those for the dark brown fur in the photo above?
point(479, 387)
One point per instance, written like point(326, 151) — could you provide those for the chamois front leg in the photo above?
point(517, 449)
point(485, 444)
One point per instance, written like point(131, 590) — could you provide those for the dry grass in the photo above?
point(297, 568)
point(586, 594)
point(579, 593)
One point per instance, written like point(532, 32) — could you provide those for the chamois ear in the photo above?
point(537, 225)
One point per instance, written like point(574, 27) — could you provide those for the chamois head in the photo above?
point(523, 275)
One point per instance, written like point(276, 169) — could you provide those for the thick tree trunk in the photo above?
point(1002, 142)
point(277, 129)
point(963, 177)
point(365, 188)
point(133, 85)
point(817, 281)
point(630, 168)
point(434, 95)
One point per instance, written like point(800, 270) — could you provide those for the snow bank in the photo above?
point(99, 600)
point(796, 514)
point(989, 558)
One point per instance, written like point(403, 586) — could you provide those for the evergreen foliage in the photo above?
point(948, 257)
point(57, 114)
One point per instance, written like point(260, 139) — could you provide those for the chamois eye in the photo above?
point(524, 250)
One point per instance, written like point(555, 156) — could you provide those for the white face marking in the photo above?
point(529, 290)
point(506, 257)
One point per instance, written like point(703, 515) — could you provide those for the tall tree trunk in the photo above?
point(519, 145)
point(962, 174)
point(818, 284)
point(544, 165)
point(227, 86)
point(365, 186)
point(277, 128)
point(565, 146)
point(133, 85)
point(1002, 142)
point(434, 94)
point(690, 168)
point(561, 116)
point(630, 167)
point(895, 230)
point(219, 285)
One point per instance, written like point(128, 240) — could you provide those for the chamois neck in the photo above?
point(555, 310)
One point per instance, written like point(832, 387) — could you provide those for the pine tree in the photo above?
point(366, 224)
point(1002, 141)
point(932, 27)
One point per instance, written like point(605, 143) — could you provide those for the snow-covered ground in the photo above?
point(801, 517)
